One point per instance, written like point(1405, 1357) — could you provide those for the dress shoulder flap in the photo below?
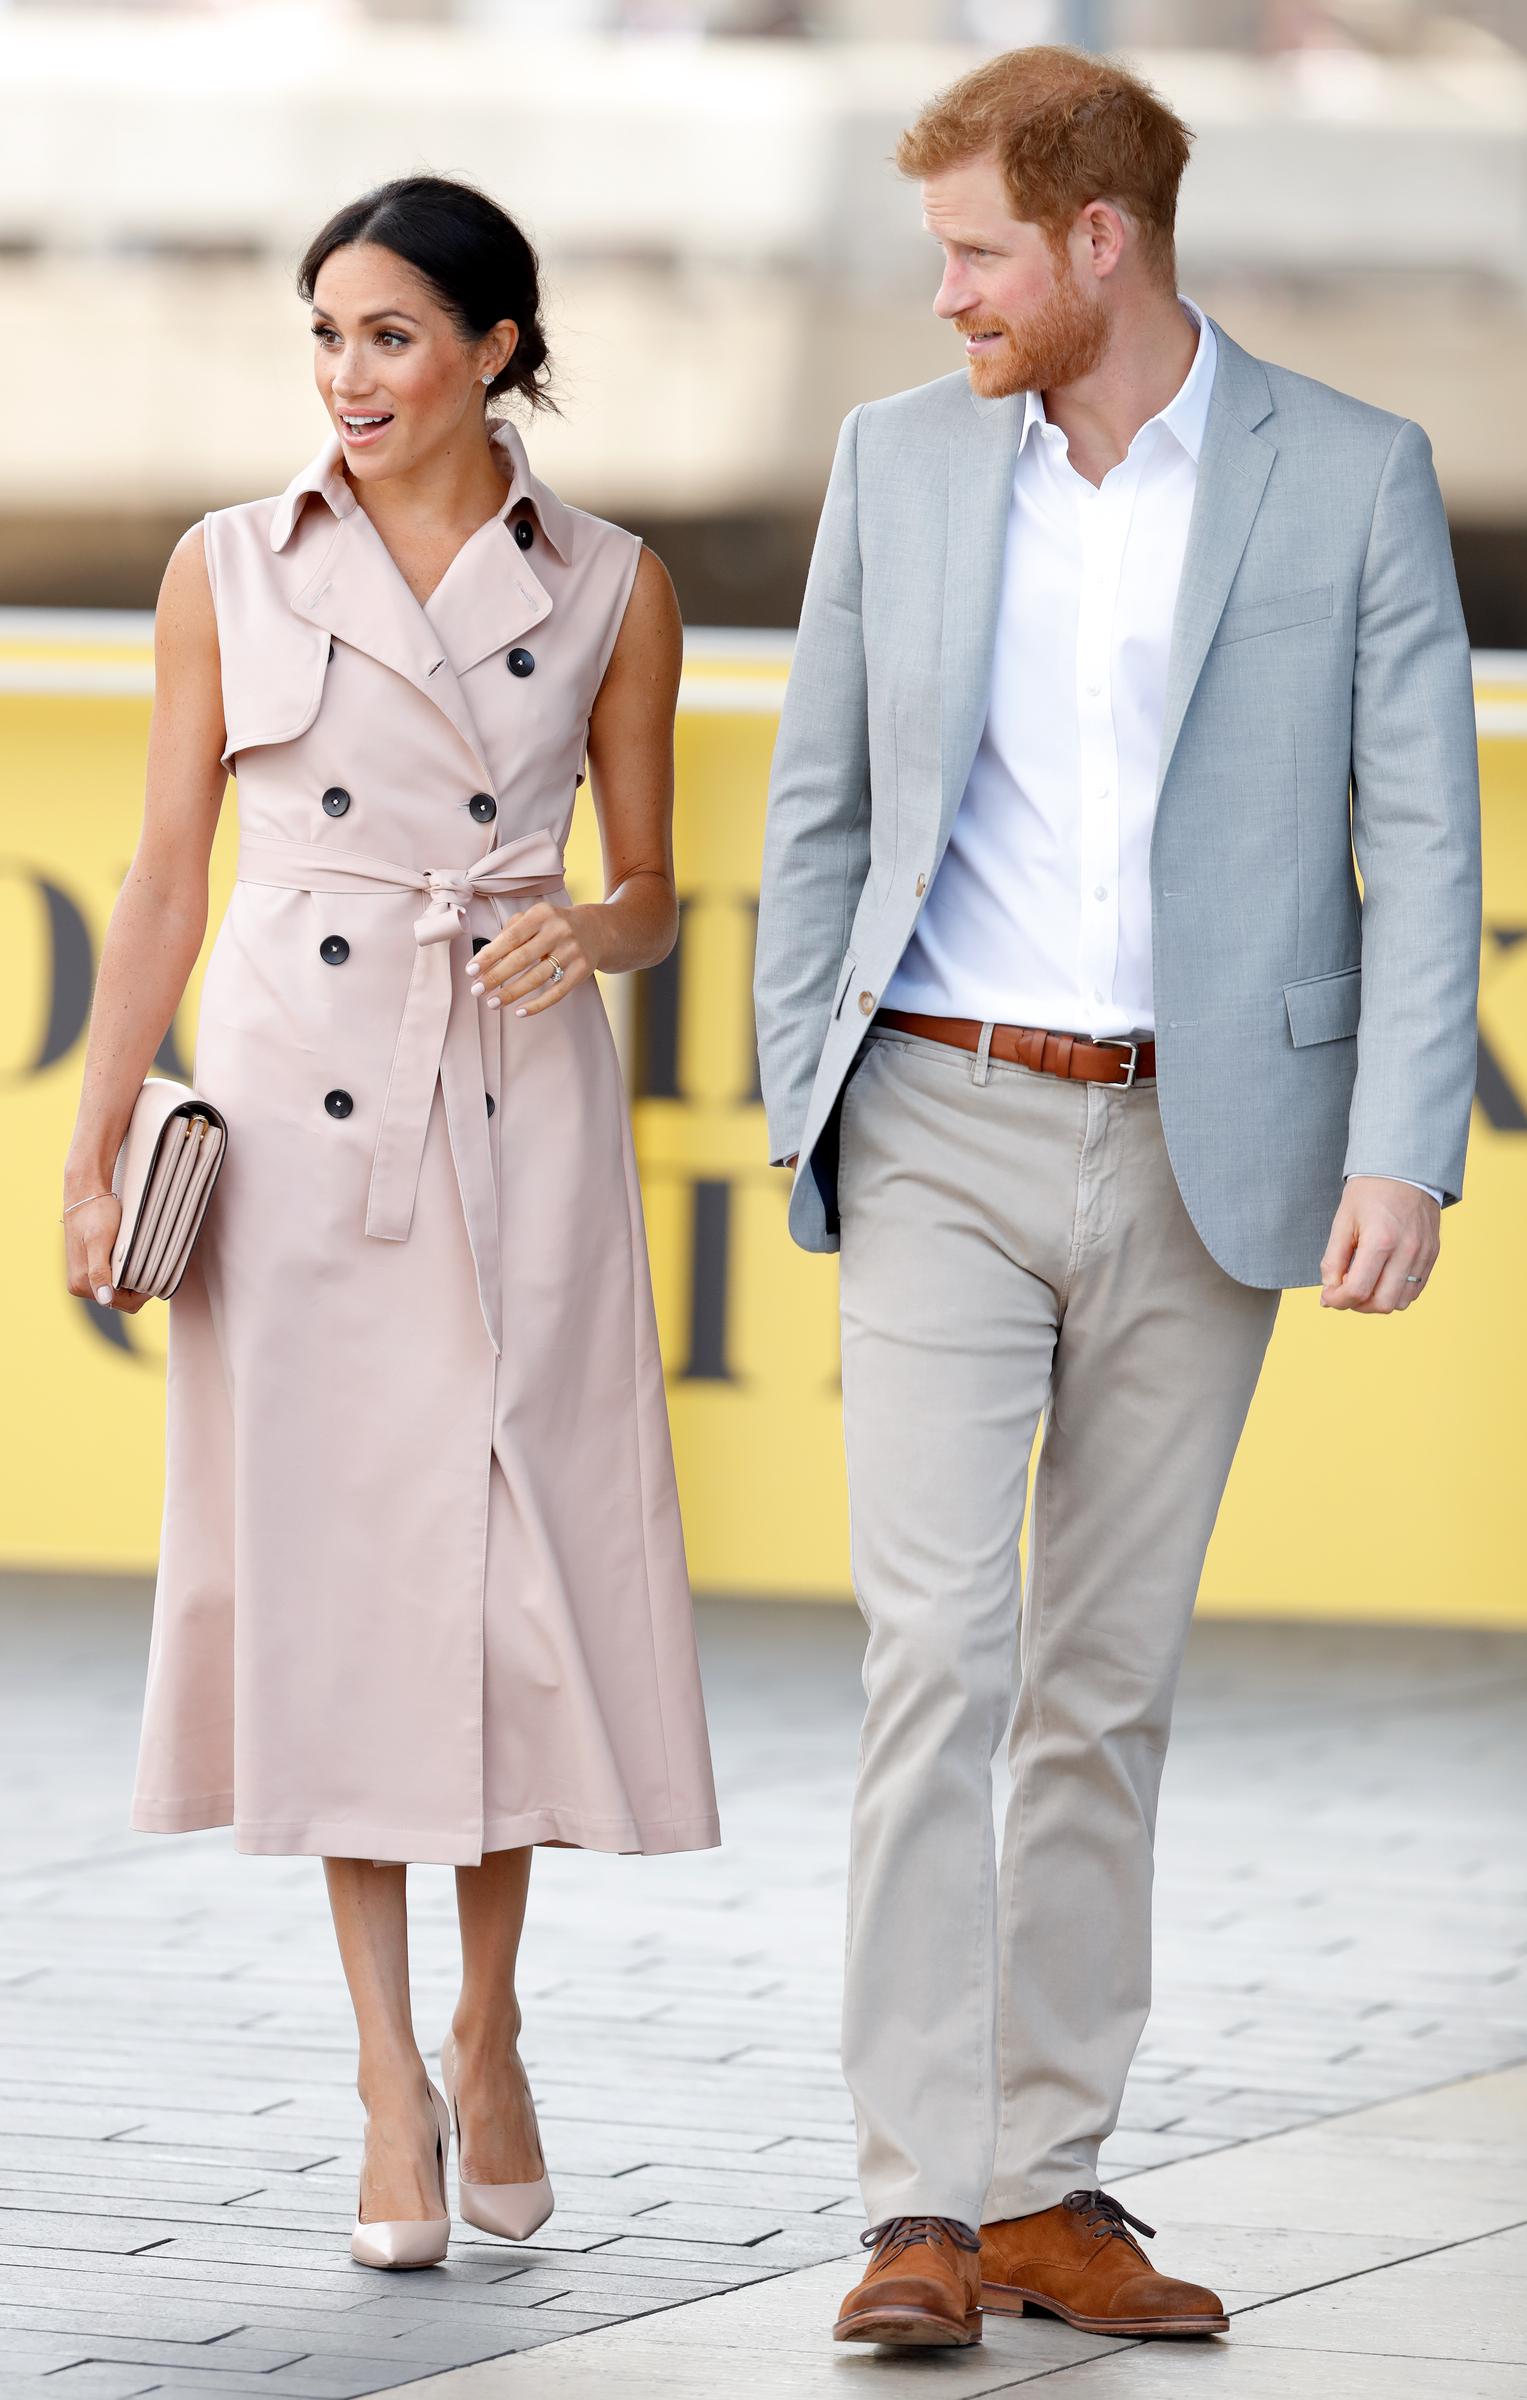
point(273, 661)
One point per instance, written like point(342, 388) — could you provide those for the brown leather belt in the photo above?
point(1068, 1054)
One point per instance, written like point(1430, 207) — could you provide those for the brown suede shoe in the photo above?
point(1079, 2261)
point(923, 2289)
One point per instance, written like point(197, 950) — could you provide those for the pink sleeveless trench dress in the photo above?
point(422, 1588)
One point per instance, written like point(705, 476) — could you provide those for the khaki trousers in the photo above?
point(1012, 1244)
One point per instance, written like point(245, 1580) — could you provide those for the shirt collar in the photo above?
point(323, 478)
point(1185, 415)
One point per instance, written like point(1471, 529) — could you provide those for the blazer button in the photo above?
point(922, 885)
point(483, 807)
point(866, 1001)
point(524, 532)
point(488, 1096)
point(335, 801)
point(338, 1104)
point(521, 662)
point(333, 949)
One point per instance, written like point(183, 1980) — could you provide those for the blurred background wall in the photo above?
point(732, 263)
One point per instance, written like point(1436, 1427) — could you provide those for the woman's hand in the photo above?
point(90, 1233)
point(515, 969)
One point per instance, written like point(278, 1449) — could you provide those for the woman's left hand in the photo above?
point(515, 969)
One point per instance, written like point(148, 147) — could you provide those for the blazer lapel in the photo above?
point(1233, 468)
point(982, 453)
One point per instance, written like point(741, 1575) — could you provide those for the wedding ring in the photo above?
point(1412, 1278)
point(556, 970)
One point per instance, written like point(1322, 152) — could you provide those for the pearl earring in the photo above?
point(488, 378)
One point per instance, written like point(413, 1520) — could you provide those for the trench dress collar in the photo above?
point(489, 597)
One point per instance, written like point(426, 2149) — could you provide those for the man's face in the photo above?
point(1028, 323)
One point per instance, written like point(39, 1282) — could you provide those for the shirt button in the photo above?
point(1100, 891)
point(1093, 690)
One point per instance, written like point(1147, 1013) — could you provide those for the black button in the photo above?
point(484, 807)
point(480, 941)
point(524, 532)
point(338, 1104)
point(331, 652)
point(335, 801)
point(333, 949)
point(489, 1097)
point(520, 662)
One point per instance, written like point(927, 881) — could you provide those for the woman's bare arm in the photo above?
point(631, 760)
point(160, 917)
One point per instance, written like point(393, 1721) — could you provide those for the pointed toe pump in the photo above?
point(514, 2210)
point(410, 2241)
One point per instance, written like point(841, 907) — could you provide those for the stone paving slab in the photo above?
point(1342, 1919)
point(1342, 2311)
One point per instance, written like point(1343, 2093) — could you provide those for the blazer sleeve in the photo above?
point(1415, 831)
point(816, 837)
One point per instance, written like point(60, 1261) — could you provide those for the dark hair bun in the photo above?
point(468, 249)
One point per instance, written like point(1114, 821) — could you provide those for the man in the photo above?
point(1084, 1046)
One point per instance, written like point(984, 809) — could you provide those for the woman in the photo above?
point(422, 1592)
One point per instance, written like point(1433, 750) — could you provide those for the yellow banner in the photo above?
point(1378, 1474)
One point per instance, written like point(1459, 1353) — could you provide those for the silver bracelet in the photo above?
point(89, 1196)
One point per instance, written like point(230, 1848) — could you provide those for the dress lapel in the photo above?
point(982, 453)
point(1233, 468)
point(487, 598)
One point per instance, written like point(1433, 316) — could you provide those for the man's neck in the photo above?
point(1146, 364)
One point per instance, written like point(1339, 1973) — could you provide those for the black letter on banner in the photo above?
point(69, 968)
point(754, 1091)
point(708, 1278)
point(1497, 1097)
point(655, 1033)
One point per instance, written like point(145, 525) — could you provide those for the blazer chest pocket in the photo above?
point(1324, 1008)
point(1244, 618)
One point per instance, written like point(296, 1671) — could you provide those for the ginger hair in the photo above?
point(1065, 128)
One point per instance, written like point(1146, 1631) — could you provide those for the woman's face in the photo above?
point(390, 363)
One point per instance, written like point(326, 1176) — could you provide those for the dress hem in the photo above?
point(418, 1846)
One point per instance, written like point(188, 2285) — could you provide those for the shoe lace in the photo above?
point(895, 2234)
point(1108, 2218)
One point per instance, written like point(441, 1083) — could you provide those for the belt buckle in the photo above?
point(1134, 1059)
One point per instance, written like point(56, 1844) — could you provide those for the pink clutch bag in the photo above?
point(164, 1174)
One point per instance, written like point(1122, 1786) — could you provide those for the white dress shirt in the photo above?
point(1040, 913)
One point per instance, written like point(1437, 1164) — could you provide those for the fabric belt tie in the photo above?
point(438, 1037)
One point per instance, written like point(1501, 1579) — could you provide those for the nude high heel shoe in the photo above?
point(410, 2241)
point(514, 2210)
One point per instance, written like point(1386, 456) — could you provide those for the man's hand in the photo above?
point(1383, 1246)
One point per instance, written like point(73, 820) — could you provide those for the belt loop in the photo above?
point(981, 1069)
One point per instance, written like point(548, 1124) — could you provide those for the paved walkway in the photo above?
point(1341, 1925)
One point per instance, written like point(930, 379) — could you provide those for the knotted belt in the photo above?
point(438, 1038)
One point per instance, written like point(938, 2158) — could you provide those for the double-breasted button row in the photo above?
point(333, 949)
point(521, 662)
point(335, 801)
